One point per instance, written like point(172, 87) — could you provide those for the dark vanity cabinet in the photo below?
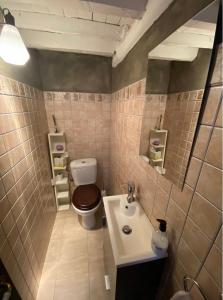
point(139, 281)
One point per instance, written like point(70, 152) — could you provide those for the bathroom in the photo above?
point(111, 118)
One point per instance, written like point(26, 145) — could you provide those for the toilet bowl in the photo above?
point(86, 198)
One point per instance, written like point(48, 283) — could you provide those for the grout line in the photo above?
point(19, 96)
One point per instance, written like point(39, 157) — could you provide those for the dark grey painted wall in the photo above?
point(158, 76)
point(29, 74)
point(189, 76)
point(134, 66)
point(177, 76)
point(62, 71)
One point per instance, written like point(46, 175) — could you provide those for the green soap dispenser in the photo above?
point(159, 238)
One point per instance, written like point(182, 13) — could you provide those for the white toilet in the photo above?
point(86, 197)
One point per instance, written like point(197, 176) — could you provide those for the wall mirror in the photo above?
point(176, 77)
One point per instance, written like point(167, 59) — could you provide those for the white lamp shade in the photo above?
point(12, 47)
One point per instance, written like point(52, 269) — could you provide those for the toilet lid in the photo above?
point(86, 197)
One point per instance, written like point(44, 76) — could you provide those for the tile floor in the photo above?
point(73, 267)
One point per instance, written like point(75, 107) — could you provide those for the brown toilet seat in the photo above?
point(86, 197)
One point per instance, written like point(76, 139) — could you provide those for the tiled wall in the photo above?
point(179, 116)
point(85, 119)
point(180, 119)
point(194, 214)
point(27, 208)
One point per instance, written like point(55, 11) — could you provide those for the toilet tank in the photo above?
point(84, 171)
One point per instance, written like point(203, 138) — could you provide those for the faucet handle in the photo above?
point(131, 187)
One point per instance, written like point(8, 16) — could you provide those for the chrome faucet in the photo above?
point(131, 192)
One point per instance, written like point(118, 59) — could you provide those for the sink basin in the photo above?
point(134, 246)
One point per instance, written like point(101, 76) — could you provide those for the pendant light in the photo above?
point(12, 47)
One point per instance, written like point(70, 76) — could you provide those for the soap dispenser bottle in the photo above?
point(159, 238)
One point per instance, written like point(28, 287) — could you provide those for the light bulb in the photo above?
point(12, 47)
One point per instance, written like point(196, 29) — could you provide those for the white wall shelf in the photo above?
point(61, 185)
point(63, 207)
point(59, 168)
point(63, 195)
point(159, 135)
point(156, 160)
point(63, 181)
point(57, 152)
point(157, 146)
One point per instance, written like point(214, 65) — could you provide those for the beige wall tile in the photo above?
point(5, 104)
point(218, 241)
point(164, 183)
point(2, 238)
point(210, 111)
point(11, 139)
point(180, 120)
point(161, 200)
point(219, 120)
point(24, 189)
point(4, 164)
point(2, 145)
point(199, 243)
point(179, 272)
point(4, 208)
point(85, 119)
point(209, 184)
point(188, 258)
point(193, 171)
point(8, 181)
point(175, 222)
point(208, 285)
point(217, 73)
point(201, 142)
point(214, 153)
point(205, 215)
point(2, 189)
point(213, 264)
point(8, 223)
point(182, 197)
point(20, 169)
point(17, 154)
point(12, 195)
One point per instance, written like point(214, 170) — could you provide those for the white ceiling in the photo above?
point(185, 42)
point(96, 27)
point(105, 27)
point(74, 25)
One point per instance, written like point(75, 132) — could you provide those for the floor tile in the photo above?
point(73, 249)
point(71, 269)
point(46, 290)
point(73, 288)
point(74, 266)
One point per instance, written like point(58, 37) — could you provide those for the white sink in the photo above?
point(130, 248)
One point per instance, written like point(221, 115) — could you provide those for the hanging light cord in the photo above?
point(9, 19)
point(2, 18)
